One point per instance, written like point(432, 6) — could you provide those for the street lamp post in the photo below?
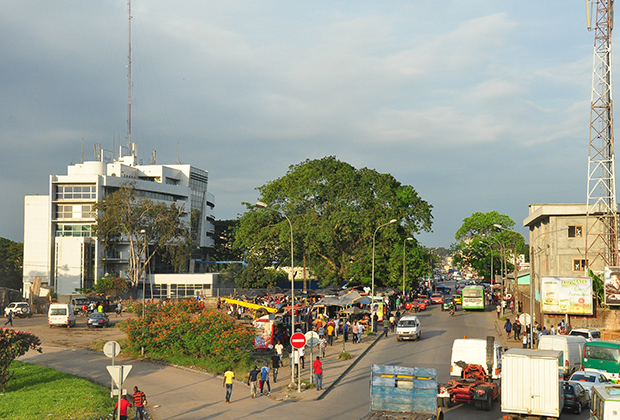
point(265, 206)
point(404, 243)
point(372, 293)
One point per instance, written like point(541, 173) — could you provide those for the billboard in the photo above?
point(567, 295)
point(612, 286)
point(263, 338)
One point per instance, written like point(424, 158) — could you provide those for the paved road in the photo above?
point(183, 394)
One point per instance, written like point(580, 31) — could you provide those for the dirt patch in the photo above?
point(78, 336)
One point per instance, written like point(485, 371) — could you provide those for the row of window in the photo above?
point(76, 192)
point(73, 230)
point(74, 211)
point(162, 291)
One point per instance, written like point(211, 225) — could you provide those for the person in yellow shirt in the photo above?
point(229, 375)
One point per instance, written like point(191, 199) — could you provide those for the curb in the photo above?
point(348, 369)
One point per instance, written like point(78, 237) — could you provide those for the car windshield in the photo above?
point(583, 378)
point(97, 315)
point(406, 323)
point(58, 311)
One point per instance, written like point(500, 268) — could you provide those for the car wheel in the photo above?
point(578, 409)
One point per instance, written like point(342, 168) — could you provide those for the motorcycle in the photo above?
point(452, 311)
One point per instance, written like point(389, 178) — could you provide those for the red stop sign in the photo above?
point(298, 340)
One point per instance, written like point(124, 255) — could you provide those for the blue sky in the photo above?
point(479, 105)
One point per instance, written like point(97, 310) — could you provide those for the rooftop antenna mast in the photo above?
point(129, 148)
point(601, 231)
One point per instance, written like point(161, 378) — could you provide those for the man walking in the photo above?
point(508, 328)
point(252, 379)
point(317, 367)
point(9, 316)
point(229, 375)
point(139, 401)
point(264, 378)
point(275, 365)
point(386, 326)
point(123, 409)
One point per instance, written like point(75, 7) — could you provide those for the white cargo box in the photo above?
point(605, 404)
point(531, 383)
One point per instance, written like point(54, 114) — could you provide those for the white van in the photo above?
point(473, 351)
point(571, 346)
point(408, 328)
point(61, 314)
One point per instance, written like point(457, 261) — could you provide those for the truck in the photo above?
point(531, 384)
point(571, 347)
point(474, 387)
point(477, 351)
point(605, 404)
point(406, 393)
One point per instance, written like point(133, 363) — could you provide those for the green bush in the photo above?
point(344, 355)
point(186, 330)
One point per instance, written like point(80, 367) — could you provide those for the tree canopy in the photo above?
point(148, 227)
point(11, 264)
point(479, 241)
point(335, 209)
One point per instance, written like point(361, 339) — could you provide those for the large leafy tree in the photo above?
point(147, 226)
point(479, 240)
point(11, 263)
point(334, 209)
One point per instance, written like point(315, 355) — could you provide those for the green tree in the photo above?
point(335, 209)
point(11, 264)
point(224, 238)
point(146, 226)
point(111, 285)
point(14, 344)
point(479, 240)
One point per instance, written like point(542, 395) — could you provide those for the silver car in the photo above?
point(19, 309)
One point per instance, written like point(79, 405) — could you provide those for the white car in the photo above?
point(19, 309)
point(587, 379)
point(589, 335)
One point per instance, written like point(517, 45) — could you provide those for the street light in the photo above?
point(404, 243)
point(372, 293)
point(265, 206)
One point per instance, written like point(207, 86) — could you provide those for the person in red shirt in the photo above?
point(317, 367)
point(124, 406)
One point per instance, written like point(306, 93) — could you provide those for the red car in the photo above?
point(420, 303)
point(437, 298)
point(425, 298)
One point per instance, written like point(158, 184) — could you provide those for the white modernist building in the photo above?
point(58, 245)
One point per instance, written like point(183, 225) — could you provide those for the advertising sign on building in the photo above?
point(567, 295)
point(263, 339)
point(612, 286)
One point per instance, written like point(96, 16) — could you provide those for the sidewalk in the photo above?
point(334, 370)
point(499, 327)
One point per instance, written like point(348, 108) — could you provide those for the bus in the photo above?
point(603, 356)
point(473, 297)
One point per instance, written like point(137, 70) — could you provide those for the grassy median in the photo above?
point(37, 392)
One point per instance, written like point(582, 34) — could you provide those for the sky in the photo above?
point(479, 105)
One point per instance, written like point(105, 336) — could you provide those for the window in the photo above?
point(76, 211)
point(76, 192)
point(580, 265)
point(73, 230)
point(575, 231)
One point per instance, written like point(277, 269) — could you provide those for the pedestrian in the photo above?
point(322, 345)
point(386, 326)
point(279, 348)
point(552, 330)
point(252, 381)
point(123, 409)
point(275, 365)
point(498, 310)
point(9, 316)
point(345, 329)
point(512, 306)
point(517, 330)
point(264, 378)
point(139, 401)
point(229, 375)
point(119, 309)
point(508, 328)
point(336, 328)
point(392, 322)
point(317, 366)
point(355, 329)
point(321, 330)
point(330, 333)
point(360, 333)
point(100, 308)
point(525, 340)
point(295, 363)
point(302, 357)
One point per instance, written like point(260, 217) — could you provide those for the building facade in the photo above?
point(59, 247)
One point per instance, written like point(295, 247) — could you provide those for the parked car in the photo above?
point(576, 397)
point(98, 319)
point(19, 309)
point(61, 314)
point(437, 298)
point(588, 379)
point(78, 303)
point(588, 334)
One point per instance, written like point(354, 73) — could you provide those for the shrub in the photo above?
point(344, 355)
point(14, 344)
point(187, 330)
